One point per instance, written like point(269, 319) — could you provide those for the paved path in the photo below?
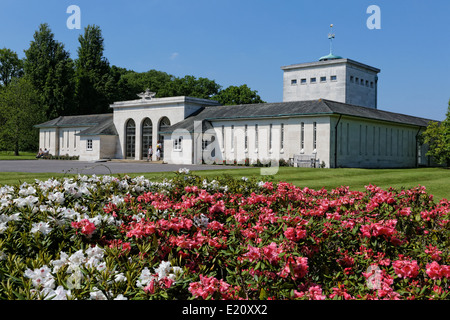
point(87, 167)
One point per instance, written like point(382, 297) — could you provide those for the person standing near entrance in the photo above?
point(149, 153)
point(158, 151)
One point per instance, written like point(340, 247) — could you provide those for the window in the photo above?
point(270, 138)
point(130, 138)
point(146, 137)
point(362, 82)
point(294, 81)
point(357, 80)
point(323, 79)
point(302, 136)
point(177, 144)
point(256, 137)
point(348, 139)
point(68, 136)
point(223, 137)
point(367, 83)
point(303, 81)
point(75, 139)
point(352, 79)
point(334, 78)
point(282, 136)
point(232, 137)
point(371, 84)
point(246, 137)
point(315, 135)
point(313, 80)
point(89, 145)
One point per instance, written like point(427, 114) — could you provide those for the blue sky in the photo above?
point(246, 42)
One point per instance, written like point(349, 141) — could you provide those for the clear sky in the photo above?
point(238, 42)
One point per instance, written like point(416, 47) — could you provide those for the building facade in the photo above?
point(329, 117)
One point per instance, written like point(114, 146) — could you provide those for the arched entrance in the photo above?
point(130, 139)
point(163, 124)
point(147, 128)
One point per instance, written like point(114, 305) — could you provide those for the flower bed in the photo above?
point(192, 238)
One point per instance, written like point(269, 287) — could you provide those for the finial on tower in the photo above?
point(331, 37)
point(330, 56)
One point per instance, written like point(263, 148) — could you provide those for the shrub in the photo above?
point(194, 238)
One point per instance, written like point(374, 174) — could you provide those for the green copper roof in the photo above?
point(330, 57)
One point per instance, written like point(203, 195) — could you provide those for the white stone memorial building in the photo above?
point(329, 116)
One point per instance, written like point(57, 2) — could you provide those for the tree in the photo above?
point(437, 137)
point(94, 83)
point(155, 81)
point(189, 85)
point(234, 95)
point(19, 111)
point(50, 69)
point(10, 66)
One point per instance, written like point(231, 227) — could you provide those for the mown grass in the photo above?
point(23, 155)
point(436, 180)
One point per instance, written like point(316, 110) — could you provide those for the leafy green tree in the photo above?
point(94, 83)
point(19, 111)
point(234, 95)
point(50, 69)
point(10, 66)
point(189, 85)
point(437, 137)
point(155, 81)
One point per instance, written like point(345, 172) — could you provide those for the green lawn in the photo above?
point(23, 155)
point(436, 180)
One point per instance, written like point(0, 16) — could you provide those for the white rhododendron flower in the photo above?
point(42, 227)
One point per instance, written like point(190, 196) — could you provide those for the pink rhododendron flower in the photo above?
point(295, 234)
point(405, 268)
point(272, 252)
point(296, 268)
point(87, 227)
point(433, 252)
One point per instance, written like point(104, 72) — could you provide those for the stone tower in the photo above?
point(332, 78)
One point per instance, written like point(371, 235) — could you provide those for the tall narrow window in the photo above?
point(246, 137)
point(360, 139)
point(68, 137)
point(130, 138)
point(391, 143)
point(75, 139)
point(223, 137)
point(256, 136)
point(302, 136)
point(147, 137)
point(232, 137)
point(348, 139)
point(386, 144)
point(315, 135)
point(365, 146)
point(373, 141)
point(282, 137)
point(270, 138)
point(340, 139)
